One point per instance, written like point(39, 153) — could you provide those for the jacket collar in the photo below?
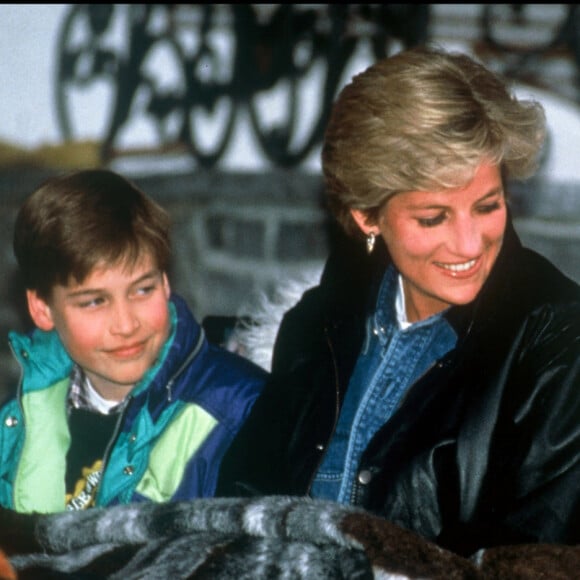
point(185, 342)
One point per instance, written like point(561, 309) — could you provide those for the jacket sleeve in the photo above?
point(299, 333)
point(545, 426)
point(275, 449)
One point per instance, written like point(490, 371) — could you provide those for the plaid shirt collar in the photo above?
point(79, 395)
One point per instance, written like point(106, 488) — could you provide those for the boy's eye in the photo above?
point(93, 302)
point(429, 222)
point(144, 290)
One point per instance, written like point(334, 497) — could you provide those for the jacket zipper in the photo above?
point(110, 444)
point(185, 364)
point(19, 394)
point(168, 386)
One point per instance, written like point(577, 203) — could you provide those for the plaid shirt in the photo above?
point(78, 394)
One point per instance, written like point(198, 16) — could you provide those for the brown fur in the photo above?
point(395, 549)
point(531, 562)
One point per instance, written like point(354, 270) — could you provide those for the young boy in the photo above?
point(121, 399)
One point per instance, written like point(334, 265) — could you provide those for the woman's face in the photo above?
point(444, 243)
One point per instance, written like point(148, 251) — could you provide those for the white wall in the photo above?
point(27, 49)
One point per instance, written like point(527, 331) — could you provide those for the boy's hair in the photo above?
point(75, 222)
point(423, 120)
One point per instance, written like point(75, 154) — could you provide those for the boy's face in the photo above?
point(113, 324)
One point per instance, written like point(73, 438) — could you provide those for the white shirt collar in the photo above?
point(400, 307)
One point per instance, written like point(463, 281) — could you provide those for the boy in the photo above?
point(121, 399)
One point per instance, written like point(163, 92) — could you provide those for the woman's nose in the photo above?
point(466, 238)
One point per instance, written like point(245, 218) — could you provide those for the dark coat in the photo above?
point(197, 395)
point(484, 450)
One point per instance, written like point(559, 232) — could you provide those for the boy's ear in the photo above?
point(166, 285)
point(39, 311)
point(361, 219)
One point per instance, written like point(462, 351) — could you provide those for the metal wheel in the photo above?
point(210, 52)
point(524, 28)
point(407, 24)
point(289, 108)
point(87, 63)
point(151, 85)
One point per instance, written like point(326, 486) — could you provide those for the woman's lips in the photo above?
point(460, 269)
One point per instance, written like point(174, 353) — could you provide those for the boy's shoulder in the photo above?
point(214, 373)
point(41, 355)
point(235, 365)
point(227, 361)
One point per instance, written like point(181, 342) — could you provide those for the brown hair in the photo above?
point(421, 120)
point(74, 222)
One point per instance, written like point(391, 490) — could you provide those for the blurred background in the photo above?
point(217, 111)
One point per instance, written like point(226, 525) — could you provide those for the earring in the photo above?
point(371, 237)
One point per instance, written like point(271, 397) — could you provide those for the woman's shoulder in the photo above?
point(536, 302)
point(544, 283)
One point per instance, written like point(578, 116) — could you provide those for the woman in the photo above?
point(434, 380)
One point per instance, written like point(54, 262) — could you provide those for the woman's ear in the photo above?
point(39, 311)
point(362, 220)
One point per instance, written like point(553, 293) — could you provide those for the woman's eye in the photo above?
point(489, 207)
point(431, 221)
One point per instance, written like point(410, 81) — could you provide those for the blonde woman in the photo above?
point(433, 376)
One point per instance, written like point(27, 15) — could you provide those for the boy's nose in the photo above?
point(124, 321)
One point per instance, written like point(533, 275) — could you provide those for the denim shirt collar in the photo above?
point(391, 311)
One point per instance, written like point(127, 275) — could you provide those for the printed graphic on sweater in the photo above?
point(85, 490)
point(90, 433)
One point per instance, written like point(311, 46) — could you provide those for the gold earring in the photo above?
point(371, 238)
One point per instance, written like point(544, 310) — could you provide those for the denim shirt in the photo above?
point(394, 355)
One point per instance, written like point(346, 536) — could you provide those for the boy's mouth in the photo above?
point(128, 351)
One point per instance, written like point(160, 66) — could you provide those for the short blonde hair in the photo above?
point(423, 119)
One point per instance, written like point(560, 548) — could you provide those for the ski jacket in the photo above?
point(168, 441)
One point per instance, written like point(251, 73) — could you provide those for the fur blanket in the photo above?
point(265, 538)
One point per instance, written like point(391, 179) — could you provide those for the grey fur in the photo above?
point(271, 537)
point(264, 538)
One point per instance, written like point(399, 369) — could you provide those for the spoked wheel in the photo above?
point(521, 34)
point(407, 24)
point(524, 28)
point(210, 52)
point(87, 63)
point(574, 33)
point(150, 110)
point(288, 108)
